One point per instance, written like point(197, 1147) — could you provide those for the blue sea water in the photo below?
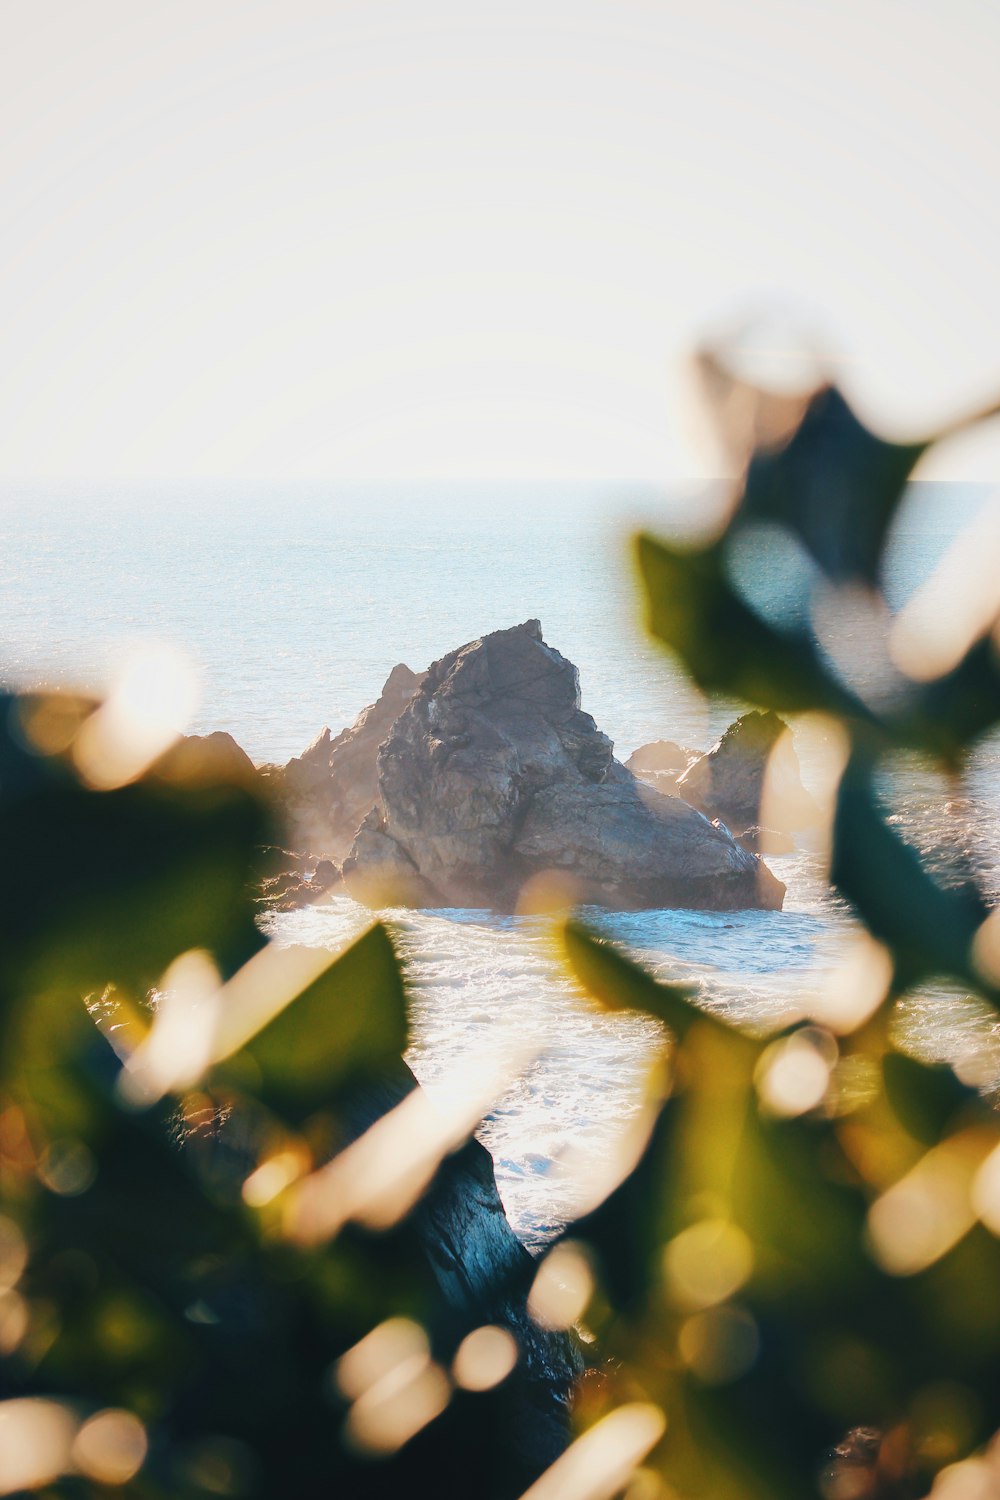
point(295, 601)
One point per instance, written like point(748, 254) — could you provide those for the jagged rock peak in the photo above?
point(514, 663)
point(493, 774)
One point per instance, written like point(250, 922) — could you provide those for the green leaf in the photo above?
point(924, 1096)
point(929, 928)
point(619, 984)
point(835, 485)
point(626, 1229)
point(347, 1025)
point(727, 648)
point(950, 712)
point(103, 887)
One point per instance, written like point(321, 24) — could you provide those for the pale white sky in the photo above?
point(444, 237)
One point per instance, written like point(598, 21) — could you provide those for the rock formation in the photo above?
point(327, 790)
point(728, 781)
point(660, 763)
point(208, 757)
point(492, 774)
point(484, 1275)
point(291, 888)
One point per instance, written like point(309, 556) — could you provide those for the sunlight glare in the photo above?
point(793, 1074)
point(562, 1288)
point(110, 1447)
point(922, 1216)
point(707, 1262)
point(484, 1358)
point(959, 603)
point(149, 706)
point(378, 1178)
point(395, 1386)
point(602, 1460)
point(36, 1436)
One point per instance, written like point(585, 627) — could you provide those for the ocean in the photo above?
point(295, 601)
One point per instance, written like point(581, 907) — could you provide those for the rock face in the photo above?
point(328, 789)
point(728, 781)
point(484, 1275)
point(292, 888)
point(493, 774)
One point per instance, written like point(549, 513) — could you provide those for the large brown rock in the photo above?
point(328, 790)
point(492, 774)
point(728, 781)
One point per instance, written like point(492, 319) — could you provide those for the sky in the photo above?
point(446, 238)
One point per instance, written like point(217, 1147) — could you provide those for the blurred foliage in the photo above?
point(147, 1259)
point(796, 1261)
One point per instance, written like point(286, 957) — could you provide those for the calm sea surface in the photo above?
point(295, 602)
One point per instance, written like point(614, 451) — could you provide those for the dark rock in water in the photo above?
point(326, 875)
point(630, 847)
point(378, 869)
point(728, 781)
point(492, 774)
point(484, 1275)
point(291, 889)
point(327, 791)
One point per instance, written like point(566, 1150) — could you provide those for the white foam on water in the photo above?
point(480, 980)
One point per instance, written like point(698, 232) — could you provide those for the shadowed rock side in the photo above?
point(484, 1275)
point(327, 790)
point(728, 781)
point(208, 758)
point(481, 1271)
point(493, 774)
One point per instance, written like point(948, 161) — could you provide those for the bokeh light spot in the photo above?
point(484, 1358)
point(562, 1288)
point(720, 1344)
point(707, 1263)
point(110, 1447)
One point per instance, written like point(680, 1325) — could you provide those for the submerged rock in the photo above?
point(292, 889)
point(492, 774)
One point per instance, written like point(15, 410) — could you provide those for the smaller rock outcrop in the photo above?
point(292, 888)
point(728, 781)
point(660, 763)
point(208, 757)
